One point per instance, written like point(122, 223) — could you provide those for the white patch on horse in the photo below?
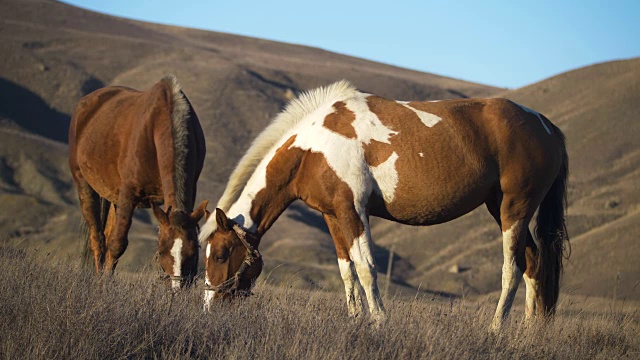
point(208, 298)
point(511, 275)
point(367, 124)
point(386, 177)
point(206, 261)
point(208, 228)
point(353, 169)
point(333, 146)
point(354, 302)
point(531, 111)
point(427, 118)
point(531, 290)
point(421, 154)
point(176, 252)
point(361, 255)
point(270, 139)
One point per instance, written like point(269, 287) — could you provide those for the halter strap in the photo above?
point(163, 274)
point(230, 285)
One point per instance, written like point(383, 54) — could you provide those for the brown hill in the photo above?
point(54, 53)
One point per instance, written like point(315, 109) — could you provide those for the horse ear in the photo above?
point(222, 220)
point(159, 214)
point(198, 213)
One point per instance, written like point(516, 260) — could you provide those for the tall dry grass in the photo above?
point(51, 309)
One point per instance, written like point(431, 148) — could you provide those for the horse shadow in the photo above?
point(298, 211)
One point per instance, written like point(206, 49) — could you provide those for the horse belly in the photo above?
point(420, 199)
point(99, 167)
point(109, 165)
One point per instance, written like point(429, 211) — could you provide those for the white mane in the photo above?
point(296, 110)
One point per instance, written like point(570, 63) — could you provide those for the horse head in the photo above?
point(178, 243)
point(232, 262)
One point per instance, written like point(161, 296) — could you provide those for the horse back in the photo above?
point(430, 162)
point(121, 137)
point(475, 148)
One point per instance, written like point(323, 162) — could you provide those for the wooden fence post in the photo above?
point(389, 267)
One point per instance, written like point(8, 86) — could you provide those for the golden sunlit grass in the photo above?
point(55, 310)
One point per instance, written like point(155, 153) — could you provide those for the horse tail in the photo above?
point(87, 254)
point(551, 231)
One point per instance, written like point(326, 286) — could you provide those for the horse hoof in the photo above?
point(378, 321)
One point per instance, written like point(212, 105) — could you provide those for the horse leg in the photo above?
point(514, 216)
point(365, 268)
point(355, 226)
point(531, 254)
point(531, 250)
point(90, 206)
point(118, 230)
point(352, 286)
point(110, 224)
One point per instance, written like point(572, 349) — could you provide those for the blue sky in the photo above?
point(501, 43)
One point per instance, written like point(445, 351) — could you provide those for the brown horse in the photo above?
point(129, 149)
point(350, 155)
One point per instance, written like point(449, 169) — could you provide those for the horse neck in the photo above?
point(178, 178)
point(261, 203)
point(183, 152)
point(176, 203)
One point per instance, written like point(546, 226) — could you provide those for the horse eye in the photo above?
point(221, 258)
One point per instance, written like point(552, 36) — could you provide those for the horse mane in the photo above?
point(179, 114)
point(296, 110)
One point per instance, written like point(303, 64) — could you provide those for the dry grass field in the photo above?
point(55, 309)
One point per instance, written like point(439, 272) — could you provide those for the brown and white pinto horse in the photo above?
point(129, 149)
point(350, 155)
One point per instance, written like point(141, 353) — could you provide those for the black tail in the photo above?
point(551, 231)
point(87, 254)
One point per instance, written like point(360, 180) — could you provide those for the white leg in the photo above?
point(362, 257)
point(352, 288)
point(511, 275)
point(530, 303)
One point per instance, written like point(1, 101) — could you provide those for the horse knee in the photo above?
point(117, 247)
point(513, 249)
